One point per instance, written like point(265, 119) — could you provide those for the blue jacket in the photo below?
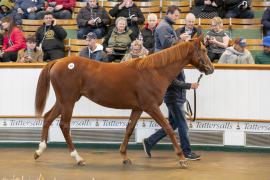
point(98, 54)
point(24, 4)
point(165, 36)
point(176, 92)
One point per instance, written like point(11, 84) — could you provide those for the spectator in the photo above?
point(7, 9)
point(50, 37)
point(28, 8)
point(238, 9)
point(13, 40)
point(61, 9)
point(237, 54)
point(93, 49)
point(31, 53)
point(136, 50)
point(189, 30)
point(129, 10)
point(118, 40)
point(216, 39)
point(148, 32)
point(207, 8)
point(264, 57)
point(266, 21)
point(92, 18)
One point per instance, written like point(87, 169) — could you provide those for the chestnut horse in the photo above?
point(137, 84)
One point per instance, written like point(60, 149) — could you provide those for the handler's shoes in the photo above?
point(192, 156)
point(146, 147)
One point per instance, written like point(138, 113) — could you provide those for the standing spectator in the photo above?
point(148, 32)
point(238, 9)
point(61, 9)
point(7, 9)
point(216, 39)
point(175, 96)
point(136, 51)
point(13, 40)
point(50, 37)
point(129, 10)
point(264, 57)
point(189, 30)
point(237, 54)
point(92, 18)
point(31, 53)
point(266, 21)
point(28, 8)
point(207, 8)
point(93, 49)
point(118, 40)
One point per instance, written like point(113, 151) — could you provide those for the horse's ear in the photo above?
point(198, 41)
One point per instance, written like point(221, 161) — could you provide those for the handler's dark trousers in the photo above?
point(177, 119)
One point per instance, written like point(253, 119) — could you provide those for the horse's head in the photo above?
point(200, 58)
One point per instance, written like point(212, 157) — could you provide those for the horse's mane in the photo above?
point(161, 58)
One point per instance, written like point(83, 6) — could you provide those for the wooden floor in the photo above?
point(57, 164)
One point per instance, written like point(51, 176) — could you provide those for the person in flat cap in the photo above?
point(237, 54)
point(93, 50)
point(264, 57)
point(31, 53)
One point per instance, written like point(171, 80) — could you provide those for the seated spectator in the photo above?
point(238, 9)
point(207, 8)
point(93, 49)
point(216, 39)
point(13, 40)
point(31, 53)
point(264, 57)
point(50, 37)
point(266, 21)
point(129, 10)
point(136, 51)
point(7, 9)
point(237, 54)
point(92, 18)
point(118, 40)
point(148, 32)
point(28, 8)
point(188, 31)
point(61, 9)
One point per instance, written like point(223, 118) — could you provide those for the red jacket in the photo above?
point(17, 40)
point(67, 4)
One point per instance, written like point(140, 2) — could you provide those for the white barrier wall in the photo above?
point(226, 94)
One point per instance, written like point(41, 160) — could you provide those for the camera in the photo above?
point(52, 4)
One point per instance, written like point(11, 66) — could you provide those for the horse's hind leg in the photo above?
point(48, 119)
point(135, 115)
point(66, 115)
point(156, 114)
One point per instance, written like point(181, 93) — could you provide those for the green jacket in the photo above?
point(262, 58)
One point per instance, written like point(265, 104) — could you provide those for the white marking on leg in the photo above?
point(41, 148)
point(75, 155)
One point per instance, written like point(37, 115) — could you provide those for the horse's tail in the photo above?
point(43, 88)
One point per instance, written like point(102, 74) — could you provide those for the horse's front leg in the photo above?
point(135, 115)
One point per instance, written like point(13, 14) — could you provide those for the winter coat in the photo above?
point(176, 92)
point(51, 37)
point(128, 12)
point(15, 41)
point(98, 54)
point(165, 36)
point(11, 12)
point(67, 4)
point(87, 13)
point(262, 58)
point(195, 31)
point(25, 4)
point(233, 4)
point(143, 53)
point(232, 56)
point(148, 38)
point(36, 55)
point(219, 37)
point(266, 19)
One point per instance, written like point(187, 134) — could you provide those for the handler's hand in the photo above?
point(194, 85)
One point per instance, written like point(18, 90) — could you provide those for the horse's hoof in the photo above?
point(183, 164)
point(81, 163)
point(127, 162)
point(36, 156)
